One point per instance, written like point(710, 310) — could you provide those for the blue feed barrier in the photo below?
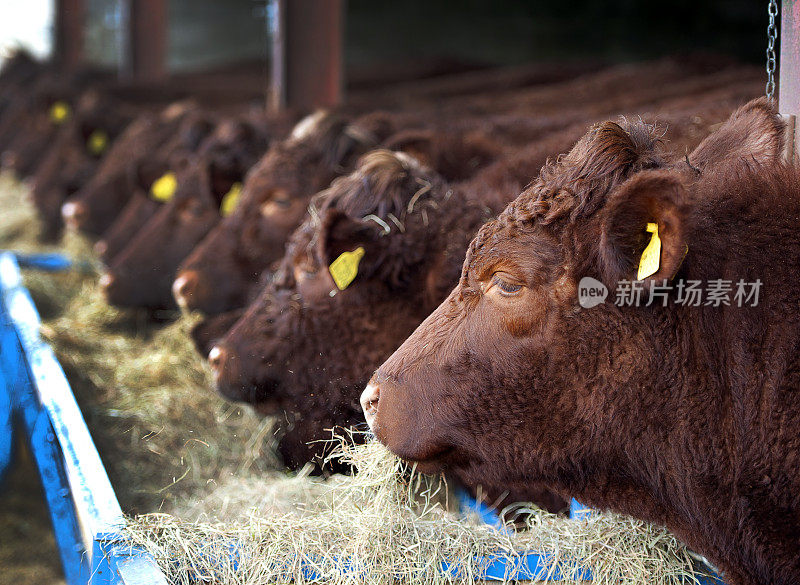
point(36, 399)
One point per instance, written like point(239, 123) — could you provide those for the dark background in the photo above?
point(463, 33)
point(514, 31)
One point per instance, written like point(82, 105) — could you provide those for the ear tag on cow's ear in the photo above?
point(164, 187)
point(97, 142)
point(651, 257)
point(345, 268)
point(59, 112)
point(230, 200)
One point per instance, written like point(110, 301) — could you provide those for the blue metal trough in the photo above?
point(37, 403)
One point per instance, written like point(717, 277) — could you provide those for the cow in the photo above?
point(31, 124)
point(76, 153)
point(193, 138)
point(219, 273)
point(207, 184)
point(130, 160)
point(20, 70)
point(681, 415)
point(307, 344)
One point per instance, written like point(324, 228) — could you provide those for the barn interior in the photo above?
point(169, 442)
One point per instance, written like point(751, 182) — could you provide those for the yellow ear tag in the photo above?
point(59, 112)
point(164, 187)
point(97, 142)
point(345, 268)
point(230, 200)
point(651, 257)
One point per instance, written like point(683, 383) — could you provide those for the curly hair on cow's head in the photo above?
point(391, 204)
point(575, 184)
point(386, 187)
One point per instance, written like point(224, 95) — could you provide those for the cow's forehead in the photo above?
point(526, 244)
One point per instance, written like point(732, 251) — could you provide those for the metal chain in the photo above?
point(772, 36)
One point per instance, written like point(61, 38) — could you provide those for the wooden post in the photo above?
point(306, 53)
point(69, 22)
point(789, 83)
point(145, 39)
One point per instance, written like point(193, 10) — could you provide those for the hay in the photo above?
point(148, 399)
point(146, 394)
point(19, 228)
point(381, 526)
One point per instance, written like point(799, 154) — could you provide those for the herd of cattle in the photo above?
point(317, 246)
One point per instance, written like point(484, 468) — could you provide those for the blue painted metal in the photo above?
point(82, 504)
point(52, 262)
point(468, 505)
point(27, 412)
point(6, 429)
point(578, 511)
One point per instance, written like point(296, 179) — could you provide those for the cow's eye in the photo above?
point(283, 202)
point(504, 285)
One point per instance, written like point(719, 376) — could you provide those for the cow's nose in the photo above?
point(369, 402)
point(101, 248)
point(227, 378)
point(106, 282)
point(216, 357)
point(74, 214)
point(184, 287)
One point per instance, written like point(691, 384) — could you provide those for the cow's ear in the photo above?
point(643, 228)
point(143, 173)
point(754, 132)
point(341, 234)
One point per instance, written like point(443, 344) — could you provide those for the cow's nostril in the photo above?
point(184, 287)
point(74, 213)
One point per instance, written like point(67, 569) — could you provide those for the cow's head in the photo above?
point(232, 146)
point(220, 273)
point(70, 162)
point(140, 155)
point(307, 342)
point(143, 272)
point(510, 380)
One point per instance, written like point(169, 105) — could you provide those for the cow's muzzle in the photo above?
point(369, 403)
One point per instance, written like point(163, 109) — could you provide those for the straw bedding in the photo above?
point(170, 443)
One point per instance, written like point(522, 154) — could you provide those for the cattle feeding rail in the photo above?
point(37, 402)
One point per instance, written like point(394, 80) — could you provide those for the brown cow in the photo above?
point(95, 206)
point(296, 316)
point(305, 347)
point(220, 272)
point(40, 115)
point(682, 415)
point(143, 174)
point(141, 275)
point(73, 158)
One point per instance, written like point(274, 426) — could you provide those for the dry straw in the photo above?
point(168, 440)
point(387, 525)
point(146, 393)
